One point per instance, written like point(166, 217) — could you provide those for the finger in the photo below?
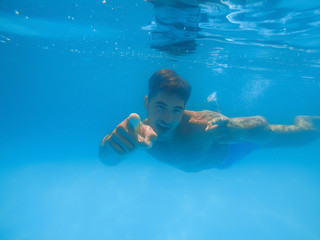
point(128, 137)
point(149, 135)
point(149, 140)
point(134, 121)
point(122, 141)
point(132, 128)
point(211, 127)
point(217, 123)
point(116, 147)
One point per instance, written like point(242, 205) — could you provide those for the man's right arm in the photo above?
point(107, 154)
point(129, 135)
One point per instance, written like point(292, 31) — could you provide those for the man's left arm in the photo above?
point(304, 130)
point(257, 130)
point(241, 129)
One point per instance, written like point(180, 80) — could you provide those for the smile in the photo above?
point(162, 129)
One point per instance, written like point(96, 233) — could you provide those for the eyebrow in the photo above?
point(165, 105)
point(161, 103)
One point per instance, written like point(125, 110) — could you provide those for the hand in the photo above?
point(217, 124)
point(216, 127)
point(130, 135)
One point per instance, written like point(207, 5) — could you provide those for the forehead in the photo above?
point(167, 98)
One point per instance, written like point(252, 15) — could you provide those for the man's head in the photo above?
point(166, 101)
point(170, 82)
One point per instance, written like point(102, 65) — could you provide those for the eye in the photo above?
point(160, 107)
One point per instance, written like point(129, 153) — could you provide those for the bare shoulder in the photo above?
point(204, 115)
point(197, 121)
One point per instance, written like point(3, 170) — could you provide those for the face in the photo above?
point(165, 112)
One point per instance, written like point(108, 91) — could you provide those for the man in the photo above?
point(193, 141)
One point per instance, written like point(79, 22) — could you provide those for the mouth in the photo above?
point(162, 129)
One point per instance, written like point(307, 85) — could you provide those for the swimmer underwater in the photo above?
point(196, 140)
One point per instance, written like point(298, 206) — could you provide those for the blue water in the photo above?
point(70, 71)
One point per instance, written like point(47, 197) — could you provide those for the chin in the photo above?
point(164, 136)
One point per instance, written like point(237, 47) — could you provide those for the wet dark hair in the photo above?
point(169, 81)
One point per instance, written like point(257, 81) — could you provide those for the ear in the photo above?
point(146, 102)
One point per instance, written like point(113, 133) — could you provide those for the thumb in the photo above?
point(150, 139)
point(149, 136)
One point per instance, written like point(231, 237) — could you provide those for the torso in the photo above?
point(192, 148)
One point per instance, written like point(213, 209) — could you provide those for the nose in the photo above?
point(167, 118)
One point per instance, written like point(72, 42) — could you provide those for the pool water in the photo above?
point(71, 71)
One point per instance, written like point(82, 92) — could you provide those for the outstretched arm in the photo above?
point(258, 130)
point(304, 130)
point(241, 129)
